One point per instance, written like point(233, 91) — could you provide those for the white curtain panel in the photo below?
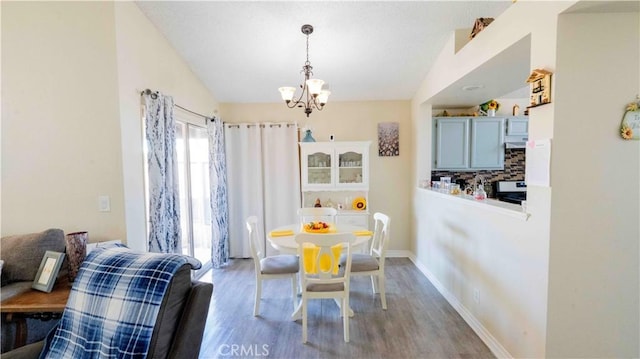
point(281, 172)
point(263, 180)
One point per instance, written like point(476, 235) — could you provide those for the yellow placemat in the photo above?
point(363, 233)
point(311, 252)
point(281, 233)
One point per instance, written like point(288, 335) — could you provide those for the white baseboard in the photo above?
point(398, 254)
point(494, 345)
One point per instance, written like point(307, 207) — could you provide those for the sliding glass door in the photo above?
point(192, 147)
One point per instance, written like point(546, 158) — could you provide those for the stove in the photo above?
point(511, 191)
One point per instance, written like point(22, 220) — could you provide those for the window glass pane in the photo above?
point(181, 150)
point(200, 204)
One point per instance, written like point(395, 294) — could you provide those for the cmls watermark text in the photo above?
point(244, 350)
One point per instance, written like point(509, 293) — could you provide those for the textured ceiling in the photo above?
point(243, 51)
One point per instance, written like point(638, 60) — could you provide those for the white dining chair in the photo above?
point(372, 263)
point(324, 214)
point(270, 267)
point(326, 279)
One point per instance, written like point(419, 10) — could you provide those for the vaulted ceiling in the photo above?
point(243, 51)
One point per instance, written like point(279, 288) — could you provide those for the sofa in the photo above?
point(21, 256)
point(178, 327)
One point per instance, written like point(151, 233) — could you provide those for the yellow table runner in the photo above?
point(310, 254)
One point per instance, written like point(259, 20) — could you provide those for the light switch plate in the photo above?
point(104, 204)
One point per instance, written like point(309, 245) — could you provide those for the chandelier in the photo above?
point(312, 96)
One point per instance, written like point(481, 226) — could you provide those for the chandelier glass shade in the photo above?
point(312, 96)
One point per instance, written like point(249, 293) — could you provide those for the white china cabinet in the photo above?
point(336, 173)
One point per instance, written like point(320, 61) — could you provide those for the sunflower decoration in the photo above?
point(626, 132)
point(360, 203)
point(490, 105)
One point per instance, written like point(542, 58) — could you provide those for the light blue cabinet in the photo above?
point(518, 126)
point(487, 143)
point(451, 143)
point(468, 143)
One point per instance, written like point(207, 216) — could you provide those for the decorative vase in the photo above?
point(491, 113)
point(308, 137)
point(76, 244)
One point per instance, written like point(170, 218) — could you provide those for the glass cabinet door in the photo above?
point(350, 167)
point(319, 168)
point(327, 166)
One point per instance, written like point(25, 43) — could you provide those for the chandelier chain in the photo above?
point(308, 49)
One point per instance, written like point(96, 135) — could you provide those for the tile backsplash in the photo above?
point(514, 167)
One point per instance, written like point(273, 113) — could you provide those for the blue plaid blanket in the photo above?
point(113, 304)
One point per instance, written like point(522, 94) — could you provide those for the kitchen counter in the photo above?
point(510, 209)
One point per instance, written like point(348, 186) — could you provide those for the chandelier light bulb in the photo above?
point(323, 97)
point(314, 86)
point(287, 93)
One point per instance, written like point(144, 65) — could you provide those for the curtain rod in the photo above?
point(154, 95)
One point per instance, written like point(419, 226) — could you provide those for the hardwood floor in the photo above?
point(419, 323)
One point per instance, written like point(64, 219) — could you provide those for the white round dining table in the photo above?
point(288, 245)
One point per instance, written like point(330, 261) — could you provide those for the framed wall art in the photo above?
point(48, 271)
point(388, 139)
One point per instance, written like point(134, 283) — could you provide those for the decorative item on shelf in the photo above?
point(479, 25)
point(317, 204)
point(329, 203)
point(540, 80)
point(348, 202)
point(308, 137)
point(312, 96)
point(76, 244)
point(516, 110)
point(360, 203)
point(490, 107)
point(630, 125)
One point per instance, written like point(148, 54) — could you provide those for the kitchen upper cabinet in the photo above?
point(518, 126)
point(487, 143)
point(328, 166)
point(468, 143)
point(451, 143)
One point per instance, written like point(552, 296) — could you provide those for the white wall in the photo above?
point(146, 60)
point(464, 248)
point(60, 121)
point(391, 182)
point(72, 73)
point(594, 305)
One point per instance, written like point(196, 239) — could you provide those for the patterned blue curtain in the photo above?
point(218, 183)
point(164, 206)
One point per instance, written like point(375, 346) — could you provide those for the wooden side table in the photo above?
point(35, 304)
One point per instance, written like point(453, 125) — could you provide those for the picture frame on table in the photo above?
point(48, 271)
